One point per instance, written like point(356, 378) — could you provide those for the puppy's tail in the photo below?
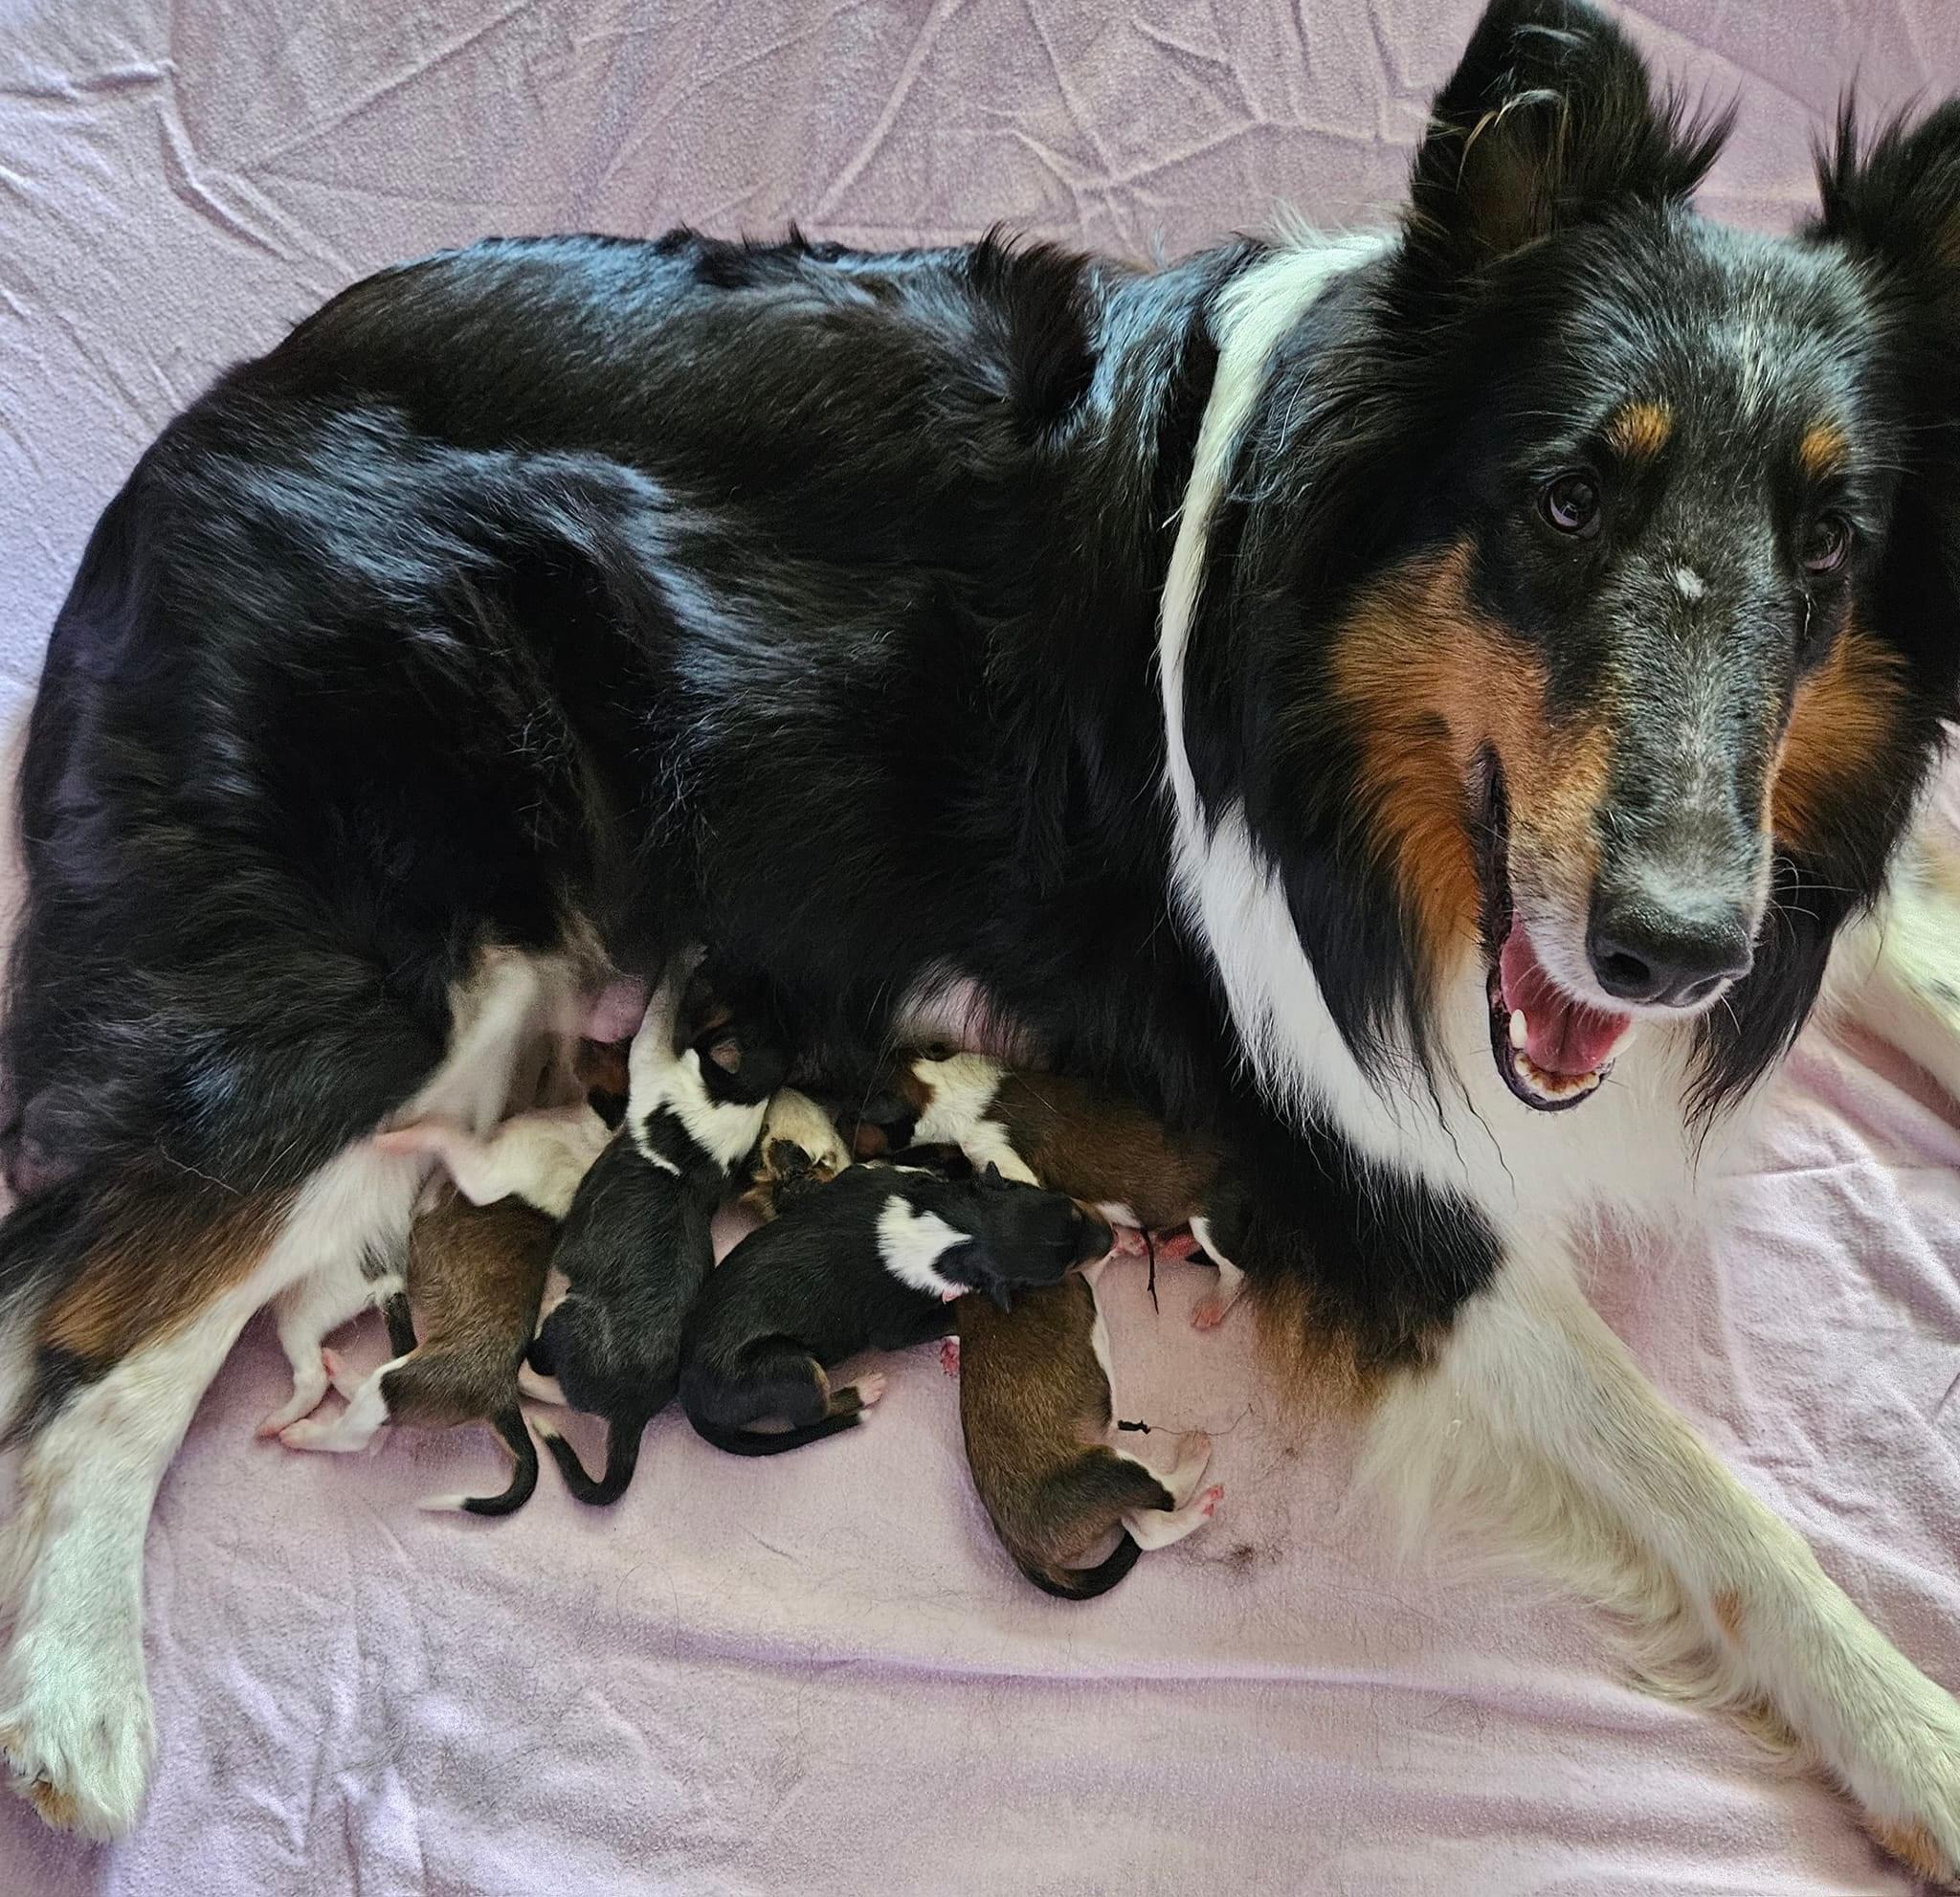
point(622, 1458)
point(524, 1479)
point(774, 1441)
point(1085, 1583)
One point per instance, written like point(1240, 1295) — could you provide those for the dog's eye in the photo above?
point(1570, 502)
point(1824, 545)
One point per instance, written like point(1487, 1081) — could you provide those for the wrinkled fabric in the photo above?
point(820, 1675)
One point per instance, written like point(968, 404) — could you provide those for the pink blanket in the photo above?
point(820, 1675)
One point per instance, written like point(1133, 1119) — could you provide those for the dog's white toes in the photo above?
point(81, 1755)
point(870, 1387)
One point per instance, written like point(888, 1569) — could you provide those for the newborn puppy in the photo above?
point(1040, 1419)
point(1057, 1131)
point(636, 1244)
point(869, 1261)
point(475, 1276)
point(801, 1147)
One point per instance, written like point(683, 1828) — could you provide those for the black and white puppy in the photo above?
point(637, 1244)
point(871, 1260)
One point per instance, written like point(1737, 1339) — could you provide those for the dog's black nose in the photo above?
point(1660, 956)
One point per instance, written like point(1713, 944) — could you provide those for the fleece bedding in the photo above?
point(820, 1675)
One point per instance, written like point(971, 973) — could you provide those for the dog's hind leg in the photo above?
point(1534, 1421)
point(74, 1713)
point(1189, 1507)
point(310, 1311)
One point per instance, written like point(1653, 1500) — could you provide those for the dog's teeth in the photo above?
point(1520, 1028)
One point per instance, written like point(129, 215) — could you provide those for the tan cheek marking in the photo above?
point(1726, 1607)
point(1839, 740)
point(1641, 429)
point(1823, 449)
point(1425, 682)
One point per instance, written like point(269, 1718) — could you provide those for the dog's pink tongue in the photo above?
point(1561, 1035)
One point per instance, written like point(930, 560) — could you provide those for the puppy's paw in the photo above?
point(870, 1387)
point(949, 1355)
point(1211, 1498)
point(1208, 1313)
point(78, 1739)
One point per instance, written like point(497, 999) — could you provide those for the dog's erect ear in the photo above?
point(1897, 205)
point(1548, 121)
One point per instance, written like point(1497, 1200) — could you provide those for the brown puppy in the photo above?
point(475, 1277)
point(1053, 1130)
point(1040, 1419)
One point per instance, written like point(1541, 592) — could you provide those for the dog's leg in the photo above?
point(75, 1712)
point(1209, 1312)
point(1536, 1420)
point(1190, 1506)
point(355, 1426)
point(1896, 972)
point(309, 1312)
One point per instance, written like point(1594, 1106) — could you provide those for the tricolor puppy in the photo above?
point(871, 1260)
point(1038, 1415)
point(636, 1243)
point(1083, 1140)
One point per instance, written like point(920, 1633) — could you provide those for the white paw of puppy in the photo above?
point(77, 1736)
point(870, 1387)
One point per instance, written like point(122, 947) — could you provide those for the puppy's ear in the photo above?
point(1897, 204)
point(726, 1054)
point(1548, 121)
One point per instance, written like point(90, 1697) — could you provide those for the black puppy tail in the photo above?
point(774, 1441)
point(524, 1479)
point(622, 1458)
point(1086, 1583)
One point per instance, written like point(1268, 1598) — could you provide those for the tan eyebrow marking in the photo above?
point(1823, 449)
point(1640, 428)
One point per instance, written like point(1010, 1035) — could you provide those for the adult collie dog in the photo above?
point(1437, 709)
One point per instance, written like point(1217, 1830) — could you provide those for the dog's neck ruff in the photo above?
point(1628, 1145)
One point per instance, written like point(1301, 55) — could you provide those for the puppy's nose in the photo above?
point(1095, 1237)
point(1667, 953)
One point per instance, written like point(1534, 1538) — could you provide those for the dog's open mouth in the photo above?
point(1553, 1050)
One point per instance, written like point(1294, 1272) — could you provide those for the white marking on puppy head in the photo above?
point(911, 1245)
point(1688, 583)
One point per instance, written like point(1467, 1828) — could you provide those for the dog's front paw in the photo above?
point(1913, 1844)
point(1908, 1783)
point(79, 1743)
